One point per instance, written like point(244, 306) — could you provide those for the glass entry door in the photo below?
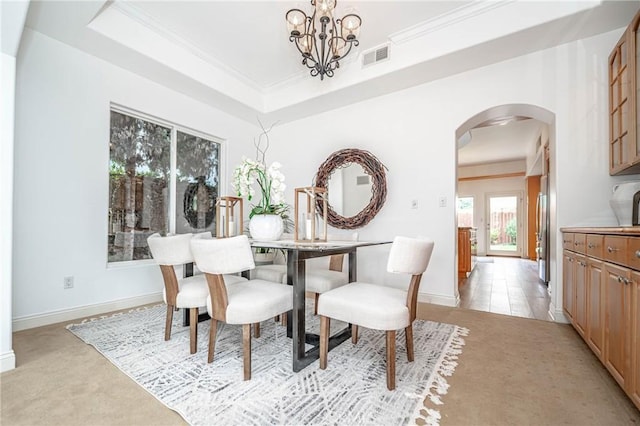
point(503, 224)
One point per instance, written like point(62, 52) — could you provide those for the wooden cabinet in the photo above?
point(580, 295)
point(634, 370)
point(616, 322)
point(601, 297)
point(466, 238)
point(624, 138)
point(595, 307)
point(568, 283)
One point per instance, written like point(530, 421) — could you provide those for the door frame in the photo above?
point(519, 219)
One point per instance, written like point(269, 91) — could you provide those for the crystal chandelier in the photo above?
point(321, 39)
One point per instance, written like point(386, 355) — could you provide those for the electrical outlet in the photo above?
point(68, 282)
point(414, 204)
point(442, 201)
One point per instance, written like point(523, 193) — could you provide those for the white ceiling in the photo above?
point(511, 141)
point(236, 56)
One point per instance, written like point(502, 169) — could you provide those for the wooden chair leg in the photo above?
point(167, 325)
point(354, 334)
point(408, 331)
point(246, 344)
point(283, 319)
point(325, 322)
point(391, 359)
point(256, 330)
point(316, 297)
point(193, 326)
point(212, 339)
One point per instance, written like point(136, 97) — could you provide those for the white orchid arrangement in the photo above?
point(270, 180)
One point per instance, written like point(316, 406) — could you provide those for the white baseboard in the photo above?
point(557, 315)
point(438, 299)
point(48, 318)
point(7, 361)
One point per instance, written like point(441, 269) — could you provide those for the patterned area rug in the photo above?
point(352, 390)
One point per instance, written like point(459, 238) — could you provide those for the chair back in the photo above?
point(205, 235)
point(170, 250)
point(409, 255)
point(224, 255)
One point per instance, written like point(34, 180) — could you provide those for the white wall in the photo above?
point(413, 134)
point(12, 18)
point(61, 186)
point(7, 85)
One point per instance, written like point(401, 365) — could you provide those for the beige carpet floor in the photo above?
point(512, 371)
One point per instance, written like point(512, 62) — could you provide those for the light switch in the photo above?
point(442, 201)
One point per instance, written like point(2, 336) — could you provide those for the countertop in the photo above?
point(613, 230)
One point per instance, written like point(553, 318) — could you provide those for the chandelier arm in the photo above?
point(321, 50)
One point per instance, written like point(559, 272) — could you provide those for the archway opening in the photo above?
point(504, 181)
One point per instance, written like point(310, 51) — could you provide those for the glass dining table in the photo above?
point(297, 253)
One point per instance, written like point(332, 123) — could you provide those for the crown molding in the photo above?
point(136, 14)
point(453, 17)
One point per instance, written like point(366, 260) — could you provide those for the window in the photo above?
point(153, 167)
point(465, 211)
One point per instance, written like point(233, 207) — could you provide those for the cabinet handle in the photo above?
point(627, 281)
point(638, 254)
point(612, 249)
point(591, 245)
point(619, 279)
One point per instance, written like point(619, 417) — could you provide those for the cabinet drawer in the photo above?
point(615, 249)
point(567, 241)
point(633, 253)
point(594, 245)
point(580, 243)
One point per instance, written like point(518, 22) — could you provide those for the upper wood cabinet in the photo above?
point(624, 138)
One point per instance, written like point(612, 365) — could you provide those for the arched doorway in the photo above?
point(504, 161)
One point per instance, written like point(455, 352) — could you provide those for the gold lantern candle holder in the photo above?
point(230, 223)
point(308, 219)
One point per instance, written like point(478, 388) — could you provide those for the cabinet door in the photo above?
point(634, 372)
point(616, 321)
point(633, 39)
point(595, 307)
point(580, 294)
point(619, 90)
point(568, 271)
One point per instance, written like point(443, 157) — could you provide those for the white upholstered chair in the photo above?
point(246, 303)
point(188, 293)
point(379, 307)
point(191, 292)
point(322, 274)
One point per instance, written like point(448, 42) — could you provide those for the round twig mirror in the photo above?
point(375, 177)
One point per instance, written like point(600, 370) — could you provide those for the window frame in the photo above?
point(172, 205)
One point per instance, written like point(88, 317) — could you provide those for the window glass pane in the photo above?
point(465, 211)
point(139, 155)
point(197, 176)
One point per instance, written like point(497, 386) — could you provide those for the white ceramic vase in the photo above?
point(266, 227)
point(622, 201)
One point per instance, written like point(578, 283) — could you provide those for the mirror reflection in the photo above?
point(350, 190)
point(356, 182)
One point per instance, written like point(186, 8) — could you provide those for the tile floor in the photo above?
point(506, 285)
